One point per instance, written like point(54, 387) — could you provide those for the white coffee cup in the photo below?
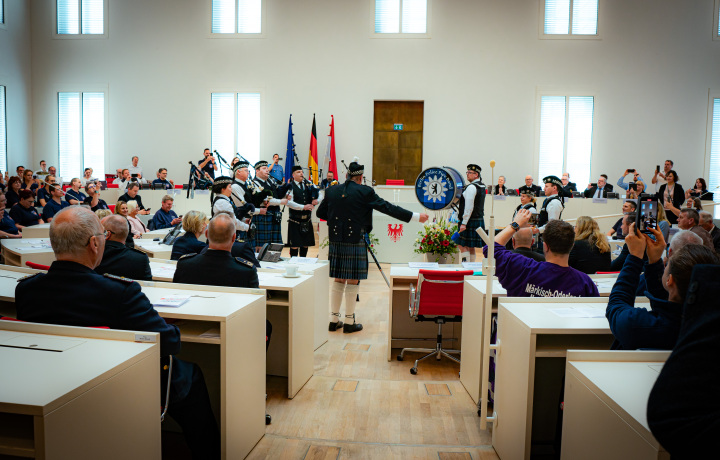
point(291, 270)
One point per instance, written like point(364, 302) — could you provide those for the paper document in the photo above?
point(172, 301)
point(579, 312)
point(303, 260)
point(472, 265)
point(272, 265)
point(429, 265)
point(162, 270)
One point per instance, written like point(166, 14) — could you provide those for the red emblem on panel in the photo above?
point(395, 231)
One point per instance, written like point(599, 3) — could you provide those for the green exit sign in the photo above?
point(398, 127)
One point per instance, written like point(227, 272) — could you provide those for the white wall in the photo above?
point(15, 76)
point(478, 75)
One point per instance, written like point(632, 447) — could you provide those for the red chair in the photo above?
point(606, 273)
point(394, 181)
point(178, 186)
point(439, 298)
point(109, 185)
point(37, 266)
point(112, 208)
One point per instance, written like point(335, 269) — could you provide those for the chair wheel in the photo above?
point(413, 370)
point(399, 357)
point(268, 419)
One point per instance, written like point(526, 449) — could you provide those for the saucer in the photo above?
point(285, 275)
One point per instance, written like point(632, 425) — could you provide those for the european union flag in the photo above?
point(289, 153)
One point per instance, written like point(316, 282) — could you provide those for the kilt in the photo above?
point(242, 238)
point(470, 238)
point(298, 238)
point(267, 230)
point(348, 261)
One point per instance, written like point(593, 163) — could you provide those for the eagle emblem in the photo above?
point(395, 232)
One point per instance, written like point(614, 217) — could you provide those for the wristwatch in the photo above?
point(515, 226)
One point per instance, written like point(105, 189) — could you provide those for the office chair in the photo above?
point(37, 266)
point(438, 298)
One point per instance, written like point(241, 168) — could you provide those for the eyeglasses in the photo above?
point(106, 234)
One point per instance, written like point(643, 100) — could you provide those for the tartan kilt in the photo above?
point(469, 237)
point(296, 238)
point(348, 261)
point(242, 238)
point(267, 231)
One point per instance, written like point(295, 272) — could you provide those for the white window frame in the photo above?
point(263, 25)
point(3, 114)
point(569, 36)
point(426, 35)
point(81, 36)
point(716, 21)
point(90, 88)
point(573, 92)
point(3, 25)
point(235, 92)
point(712, 95)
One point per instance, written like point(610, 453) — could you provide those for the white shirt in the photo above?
point(293, 204)
point(599, 192)
point(469, 196)
point(271, 201)
point(554, 209)
point(84, 181)
point(136, 170)
point(121, 183)
point(238, 194)
point(660, 182)
point(223, 204)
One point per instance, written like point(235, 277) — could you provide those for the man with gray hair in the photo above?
point(689, 219)
point(84, 298)
point(522, 242)
point(706, 222)
point(119, 259)
point(683, 238)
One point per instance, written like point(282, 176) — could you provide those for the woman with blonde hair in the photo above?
point(194, 223)
point(639, 189)
point(591, 252)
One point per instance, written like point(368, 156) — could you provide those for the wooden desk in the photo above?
point(606, 395)
point(530, 365)
point(37, 231)
point(290, 309)
point(18, 251)
point(153, 248)
point(74, 402)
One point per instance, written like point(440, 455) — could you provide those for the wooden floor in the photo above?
point(359, 405)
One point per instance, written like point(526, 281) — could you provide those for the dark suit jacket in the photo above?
point(569, 188)
point(121, 260)
point(186, 244)
point(527, 252)
point(591, 193)
point(715, 234)
point(678, 199)
point(216, 268)
point(536, 189)
point(588, 259)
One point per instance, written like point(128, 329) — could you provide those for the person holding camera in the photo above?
point(599, 190)
point(636, 178)
point(660, 178)
point(635, 189)
point(208, 164)
point(276, 170)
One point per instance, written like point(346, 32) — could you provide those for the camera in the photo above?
point(632, 186)
point(533, 219)
point(631, 170)
point(646, 215)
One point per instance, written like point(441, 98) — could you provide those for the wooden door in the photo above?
point(397, 153)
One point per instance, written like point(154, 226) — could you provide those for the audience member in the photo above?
point(54, 204)
point(87, 177)
point(207, 164)
point(618, 262)
point(591, 251)
point(24, 213)
point(522, 242)
point(121, 209)
point(81, 297)
point(327, 182)
point(660, 179)
point(93, 199)
point(3, 181)
point(628, 207)
point(28, 183)
point(40, 174)
point(527, 201)
point(194, 223)
point(568, 187)
point(635, 192)
point(524, 277)
point(162, 181)
point(103, 213)
point(73, 195)
point(165, 217)
point(137, 228)
point(530, 187)
point(135, 170)
point(500, 188)
point(672, 195)
point(689, 219)
point(53, 172)
point(658, 327)
point(706, 222)
point(132, 195)
point(699, 191)
point(663, 223)
point(13, 191)
point(276, 169)
point(636, 178)
point(694, 203)
point(118, 259)
point(599, 190)
point(43, 192)
point(8, 229)
point(123, 179)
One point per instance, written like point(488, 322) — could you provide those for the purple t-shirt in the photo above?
point(525, 277)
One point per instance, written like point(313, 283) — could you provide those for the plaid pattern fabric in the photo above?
point(267, 230)
point(242, 238)
point(348, 261)
point(469, 237)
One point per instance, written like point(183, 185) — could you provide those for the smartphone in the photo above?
point(148, 209)
point(632, 186)
point(631, 170)
point(594, 184)
point(647, 212)
point(657, 168)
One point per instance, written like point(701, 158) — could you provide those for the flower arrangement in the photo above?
point(373, 243)
point(436, 238)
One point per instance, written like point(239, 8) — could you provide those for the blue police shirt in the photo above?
point(163, 219)
point(52, 207)
point(278, 172)
point(165, 184)
point(71, 194)
point(7, 225)
point(24, 216)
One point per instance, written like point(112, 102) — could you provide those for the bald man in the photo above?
point(118, 259)
point(530, 187)
point(522, 244)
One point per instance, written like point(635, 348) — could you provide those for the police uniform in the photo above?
point(348, 210)
point(101, 204)
point(7, 224)
point(52, 207)
point(300, 230)
point(26, 217)
point(121, 260)
point(268, 226)
point(81, 297)
point(186, 243)
point(71, 194)
point(553, 206)
point(471, 211)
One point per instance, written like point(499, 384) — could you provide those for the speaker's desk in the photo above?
point(290, 309)
point(17, 251)
point(75, 392)
point(153, 249)
point(605, 410)
point(37, 231)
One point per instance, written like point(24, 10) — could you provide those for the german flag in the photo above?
point(313, 156)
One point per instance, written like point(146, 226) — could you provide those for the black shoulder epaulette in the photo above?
point(118, 278)
point(24, 278)
point(187, 256)
point(242, 261)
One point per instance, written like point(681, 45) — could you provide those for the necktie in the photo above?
point(599, 193)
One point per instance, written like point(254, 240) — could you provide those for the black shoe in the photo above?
point(335, 326)
point(349, 328)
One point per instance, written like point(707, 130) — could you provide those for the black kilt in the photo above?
point(470, 238)
point(298, 238)
point(268, 231)
point(348, 261)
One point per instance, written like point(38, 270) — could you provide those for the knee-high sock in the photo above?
point(472, 257)
point(303, 252)
point(465, 256)
point(293, 252)
point(351, 291)
point(336, 297)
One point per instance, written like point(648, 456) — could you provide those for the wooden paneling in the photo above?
point(397, 154)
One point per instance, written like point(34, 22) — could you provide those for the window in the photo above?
point(81, 18)
point(3, 133)
point(566, 129)
point(2, 12)
point(237, 16)
point(570, 19)
point(235, 125)
point(81, 133)
point(401, 16)
point(716, 21)
point(713, 176)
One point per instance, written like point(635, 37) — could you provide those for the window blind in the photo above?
point(68, 16)
point(579, 138)
point(387, 16)
point(249, 16)
point(237, 16)
point(3, 132)
point(222, 123)
point(93, 131)
point(558, 17)
point(248, 126)
point(414, 16)
point(552, 135)
point(93, 16)
point(714, 173)
point(2, 11)
point(223, 16)
point(69, 132)
point(85, 17)
point(584, 17)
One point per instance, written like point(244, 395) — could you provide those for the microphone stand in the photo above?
point(222, 160)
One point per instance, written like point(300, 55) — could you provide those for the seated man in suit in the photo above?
point(522, 242)
point(706, 222)
point(118, 259)
point(530, 187)
point(81, 297)
point(568, 187)
point(600, 190)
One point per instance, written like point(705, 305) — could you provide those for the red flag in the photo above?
point(333, 162)
point(313, 156)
